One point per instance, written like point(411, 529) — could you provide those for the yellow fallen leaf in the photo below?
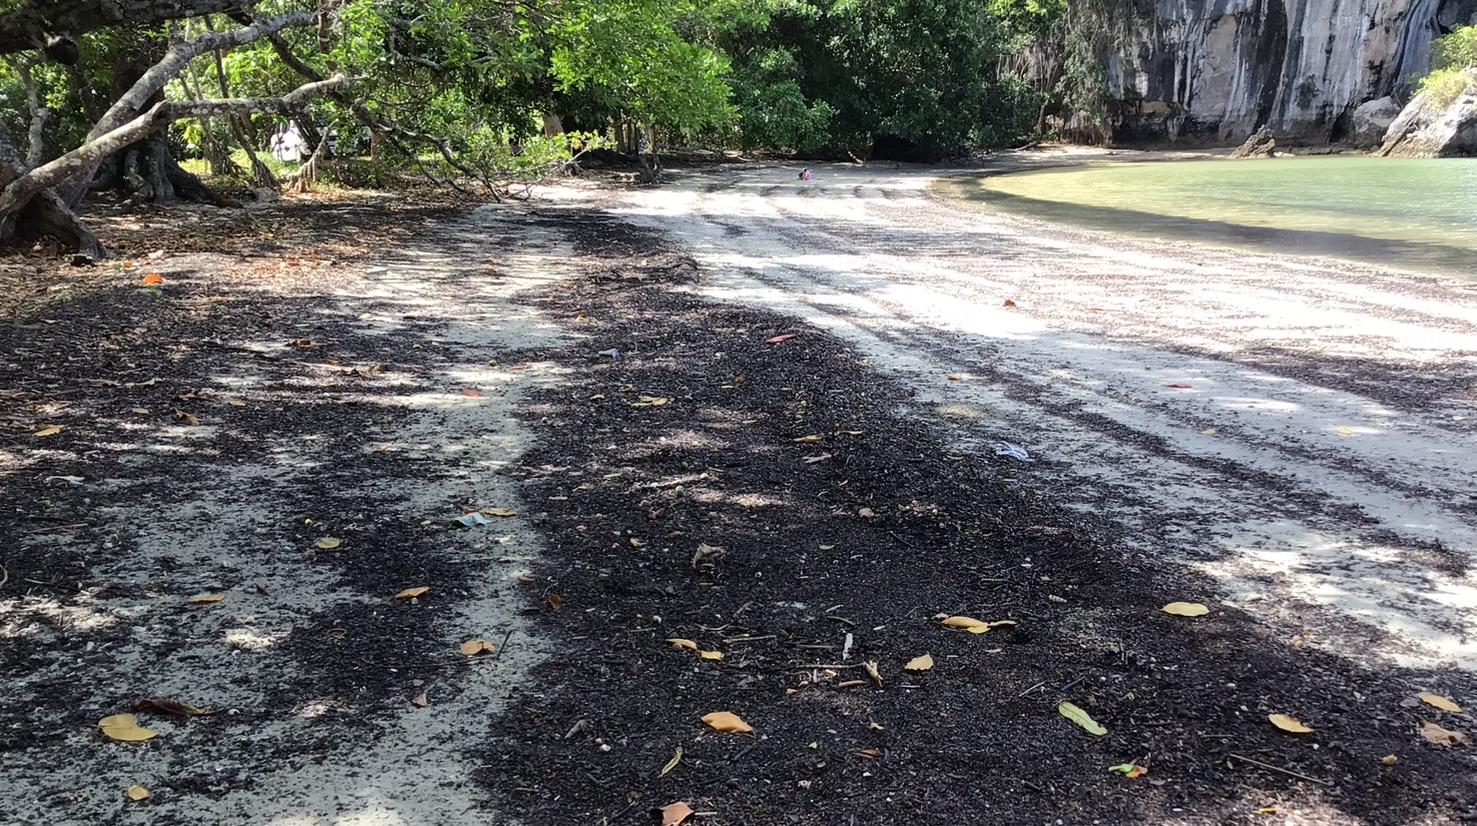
point(139, 411)
point(727, 722)
point(872, 673)
point(1267, 810)
point(711, 655)
point(421, 700)
point(412, 593)
point(137, 793)
point(1185, 609)
point(650, 401)
point(1072, 712)
point(327, 543)
point(677, 642)
point(671, 764)
point(125, 727)
point(674, 814)
point(969, 624)
point(1288, 724)
point(1436, 735)
point(1389, 760)
point(48, 431)
point(1002, 623)
point(1209, 431)
point(919, 663)
point(473, 648)
point(1440, 702)
point(502, 512)
point(205, 599)
point(1345, 430)
point(236, 403)
point(807, 440)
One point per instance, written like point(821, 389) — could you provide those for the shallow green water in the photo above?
point(1402, 213)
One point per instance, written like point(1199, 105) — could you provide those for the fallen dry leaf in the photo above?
point(1131, 771)
point(473, 648)
point(1437, 701)
point(139, 411)
point(710, 655)
point(1178, 386)
point(152, 279)
point(178, 707)
point(727, 722)
point(779, 339)
point(125, 727)
point(807, 440)
point(671, 764)
point(674, 814)
point(872, 673)
point(46, 432)
point(1288, 724)
point(412, 593)
point(1439, 736)
point(650, 401)
point(1389, 760)
point(327, 543)
point(553, 601)
point(865, 513)
point(187, 418)
point(1081, 718)
point(205, 599)
point(704, 553)
point(969, 624)
point(811, 460)
point(1008, 303)
point(1345, 430)
point(235, 402)
point(472, 393)
point(501, 513)
point(138, 793)
point(421, 700)
point(1185, 609)
point(678, 642)
point(919, 663)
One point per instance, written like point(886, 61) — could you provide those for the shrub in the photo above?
point(1444, 86)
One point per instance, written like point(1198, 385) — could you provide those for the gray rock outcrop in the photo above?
point(1426, 129)
point(1212, 71)
point(1371, 121)
point(1260, 145)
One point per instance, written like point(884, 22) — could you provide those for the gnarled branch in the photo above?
point(90, 153)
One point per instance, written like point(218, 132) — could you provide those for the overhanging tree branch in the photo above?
point(33, 24)
point(91, 152)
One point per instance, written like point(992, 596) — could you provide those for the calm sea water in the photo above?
point(1409, 214)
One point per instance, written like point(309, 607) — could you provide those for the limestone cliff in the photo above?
point(1213, 71)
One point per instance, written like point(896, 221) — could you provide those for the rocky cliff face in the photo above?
point(1213, 71)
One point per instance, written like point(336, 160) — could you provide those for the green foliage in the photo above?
point(1457, 50)
point(839, 73)
point(1444, 86)
point(1451, 56)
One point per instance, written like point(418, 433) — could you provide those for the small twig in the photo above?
point(1074, 683)
point(1270, 767)
point(502, 646)
point(823, 665)
point(844, 620)
point(4, 576)
point(1031, 689)
point(748, 639)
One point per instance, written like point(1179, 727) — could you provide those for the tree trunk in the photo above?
point(46, 216)
point(651, 163)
